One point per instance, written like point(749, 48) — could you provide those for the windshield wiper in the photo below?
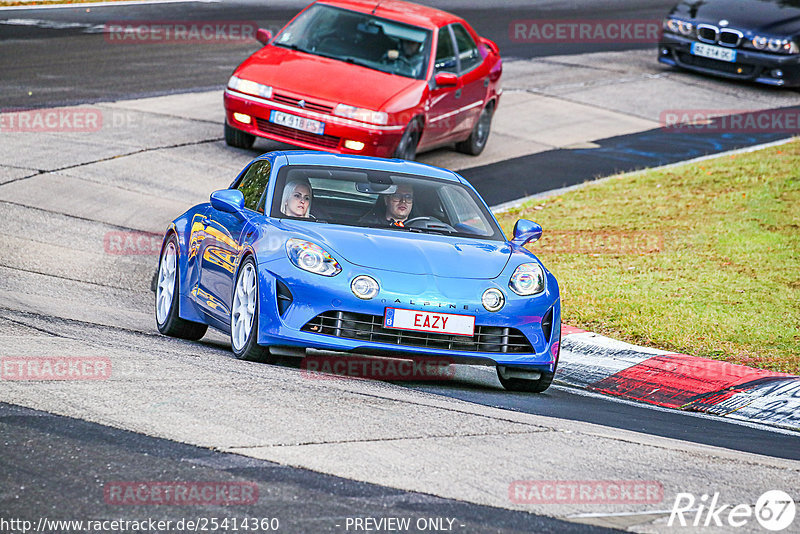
point(355, 61)
point(293, 47)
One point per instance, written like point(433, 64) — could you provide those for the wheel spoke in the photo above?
point(243, 308)
point(165, 289)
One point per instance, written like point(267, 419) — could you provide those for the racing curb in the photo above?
point(604, 365)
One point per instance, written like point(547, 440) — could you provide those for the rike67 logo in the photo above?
point(774, 510)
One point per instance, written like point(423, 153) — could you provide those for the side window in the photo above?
point(254, 182)
point(445, 53)
point(467, 49)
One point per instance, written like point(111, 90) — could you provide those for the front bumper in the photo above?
point(750, 65)
point(308, 318)
point(379, 141)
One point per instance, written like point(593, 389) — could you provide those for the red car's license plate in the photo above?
point(423, 321)
point(298, 123)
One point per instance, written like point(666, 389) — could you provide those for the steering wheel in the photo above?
point(429, 222)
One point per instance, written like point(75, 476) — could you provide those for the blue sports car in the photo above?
point(360, 255)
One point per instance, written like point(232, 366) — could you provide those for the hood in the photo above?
point(772, 17)
point(413, 253)
point(323, 78)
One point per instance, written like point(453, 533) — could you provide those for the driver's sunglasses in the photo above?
point(397, 197)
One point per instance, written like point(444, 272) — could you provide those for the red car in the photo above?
point(376, 78)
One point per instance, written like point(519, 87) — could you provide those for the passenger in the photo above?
point(394, 209)
point(296, 200)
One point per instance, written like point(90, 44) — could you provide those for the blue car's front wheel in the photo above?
point(244, 315)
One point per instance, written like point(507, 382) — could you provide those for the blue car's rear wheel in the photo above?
point(168, 294)
point(244, 315)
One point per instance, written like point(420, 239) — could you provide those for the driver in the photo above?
point(397, 208)
point(399, 204)
point(409, 57)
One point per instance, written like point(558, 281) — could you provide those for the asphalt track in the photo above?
point(71, 462)
point(520, 177)
point(65, 65)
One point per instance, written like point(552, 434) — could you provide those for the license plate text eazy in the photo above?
point(443, 323)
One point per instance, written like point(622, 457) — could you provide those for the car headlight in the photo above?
point(364, 287)
point(493, 299)
point(250, 87)
point(679, 26)
point(311, 257)
point(528, 279)
point(775, 44)
point(361, 114)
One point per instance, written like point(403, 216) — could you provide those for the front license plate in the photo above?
point(298, 123)
point(714, 52)
point(422, 321)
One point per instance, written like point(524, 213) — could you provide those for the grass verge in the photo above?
point(701, 259)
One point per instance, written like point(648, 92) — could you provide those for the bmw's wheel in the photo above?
point(476, 141)
point(244, 315)
point(238, 138)
point(168, 294)
point(407, 148)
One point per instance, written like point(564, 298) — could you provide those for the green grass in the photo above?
point(709, 260)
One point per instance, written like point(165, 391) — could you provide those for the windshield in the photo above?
point(359, 38)
point(380, 199)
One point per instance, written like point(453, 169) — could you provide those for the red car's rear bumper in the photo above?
point(380, 141)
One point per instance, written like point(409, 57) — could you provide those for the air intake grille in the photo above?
point(366, 327)
point(327, 141)
point(713, 64)
point(312, 106)
point(547, 324)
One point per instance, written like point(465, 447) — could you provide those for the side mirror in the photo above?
point(228, 200)
point(526, 231)
point(446, 79)
point(491, 45)
point(263, 36)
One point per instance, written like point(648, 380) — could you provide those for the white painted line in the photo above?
point(106, 4)
point(750, 424)
point(55, 25)
point(511, 204)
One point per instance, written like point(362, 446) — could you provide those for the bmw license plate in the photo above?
point(714, 52)
point(298, 123)
point(423, 321)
